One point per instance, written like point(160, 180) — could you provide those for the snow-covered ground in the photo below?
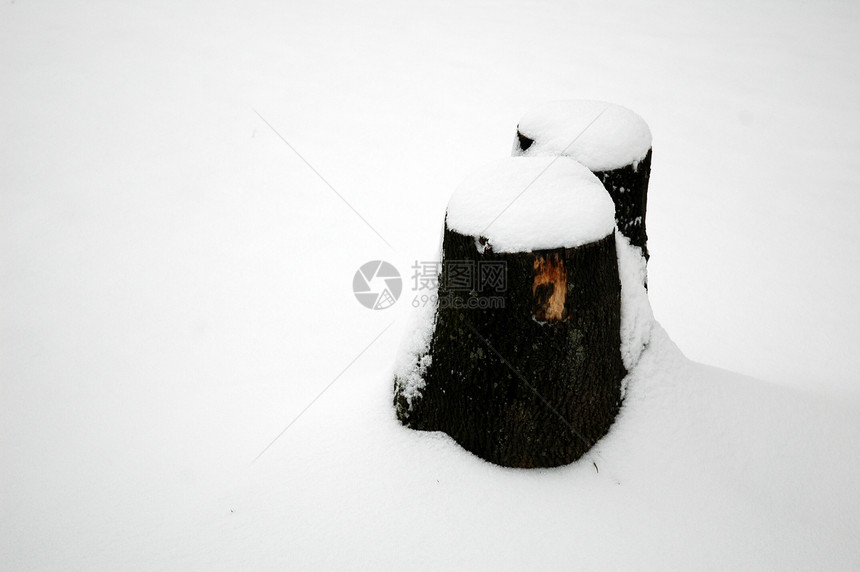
point(175, 284)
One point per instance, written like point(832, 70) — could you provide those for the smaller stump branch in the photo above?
point(610, 140)
point(628, 187)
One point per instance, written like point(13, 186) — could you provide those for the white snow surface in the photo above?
point(522, 204)
point(636, 315)
point(175, 284)
point(413, 358)
point(600, 135)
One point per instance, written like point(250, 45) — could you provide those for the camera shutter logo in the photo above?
point(377, 285)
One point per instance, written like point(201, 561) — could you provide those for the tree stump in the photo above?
point(536, 380)
point(612, 141)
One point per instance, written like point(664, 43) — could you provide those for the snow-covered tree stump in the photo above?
point(537, 381)
point(612, 141)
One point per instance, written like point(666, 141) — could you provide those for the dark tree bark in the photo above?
point(628, 187)
point(537, 382)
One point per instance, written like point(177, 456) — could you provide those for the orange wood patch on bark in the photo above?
point(549, 288)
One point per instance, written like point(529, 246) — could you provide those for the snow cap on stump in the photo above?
point(523, 204)
point(600, 135)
